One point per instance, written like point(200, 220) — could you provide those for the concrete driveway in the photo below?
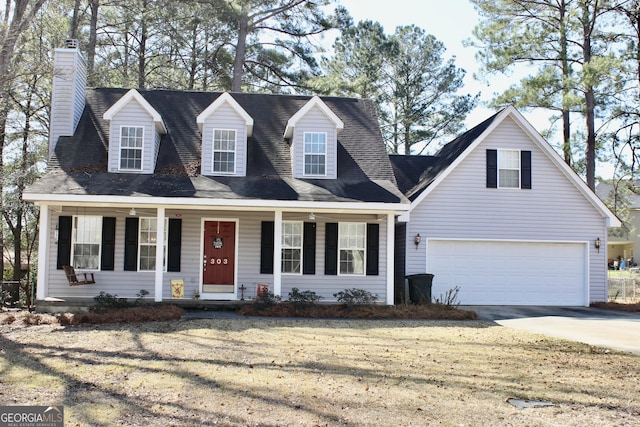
point(604, 328)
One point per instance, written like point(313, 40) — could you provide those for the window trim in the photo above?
point(74, 241)
point(120, 148)
point(166, 241)
point(363, 248)
point(304, 154)
point(519, 169)
point(301, 248)
point(214, 151)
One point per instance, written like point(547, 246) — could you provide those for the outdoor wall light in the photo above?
point(597, 244)
point(416, 240)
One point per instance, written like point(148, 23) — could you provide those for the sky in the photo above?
point(452, 22)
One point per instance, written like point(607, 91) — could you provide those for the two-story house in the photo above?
point(220, 193)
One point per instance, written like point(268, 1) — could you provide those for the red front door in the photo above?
point(219, 257)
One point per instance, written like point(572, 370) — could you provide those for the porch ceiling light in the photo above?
point(132, 212)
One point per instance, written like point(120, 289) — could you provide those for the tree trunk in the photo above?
point(93, 38)
point(241, 51)
point(142, 54)
point(589, 97)
point(193, 69)
point(74, 20)
point(566, 73)
point(3, 127)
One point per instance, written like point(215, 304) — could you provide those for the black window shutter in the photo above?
point(492, 168)
point(174, 244)
point(108, 244)
point(525, 169)
point(309, 248)
point(373, 248)
point(131, 244)
point(331, 249)
point(266, 248)
point(64, 241)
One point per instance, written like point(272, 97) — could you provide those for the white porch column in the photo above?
point(159, 254)
point(391, 231)
point(277, 253)
point(44, 240)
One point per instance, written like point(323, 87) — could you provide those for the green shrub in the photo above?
point(265, 300)
point(140, 296)
point(303, 299)
point(106, 301)
point(355, 296)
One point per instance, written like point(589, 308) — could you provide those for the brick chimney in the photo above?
point(68, 93)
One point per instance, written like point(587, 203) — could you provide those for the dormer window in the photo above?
point(224, 150)
point(313, 132)
point(131, 143)
point(226, 129)
point(135, 131)
point(315, 153)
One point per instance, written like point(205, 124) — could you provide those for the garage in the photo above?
point(509, 273)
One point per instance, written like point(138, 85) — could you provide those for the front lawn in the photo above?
point(307, 372)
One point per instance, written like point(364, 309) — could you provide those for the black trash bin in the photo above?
point(420, 288)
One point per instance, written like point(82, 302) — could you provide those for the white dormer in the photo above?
point(134, 134)
point(225, 127)
point(313, 131)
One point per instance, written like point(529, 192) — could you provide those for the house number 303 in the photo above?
point(218, 261)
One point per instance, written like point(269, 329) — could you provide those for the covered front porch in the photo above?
point(221, 252)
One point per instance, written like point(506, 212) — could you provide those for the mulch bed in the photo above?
point(632, 307)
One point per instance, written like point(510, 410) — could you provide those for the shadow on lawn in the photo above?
point(81, 390)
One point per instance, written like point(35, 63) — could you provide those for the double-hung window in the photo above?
point(315, 153)
point(147, 243)
point(291, 246)
point(351, 247)
point(131, 141)
point(224, 150)
point(508, 169)
point(86, 239)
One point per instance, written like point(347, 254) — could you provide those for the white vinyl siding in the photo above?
point(315, 122)
point(461, 207)
point(147, 244)
point(224, 119)
point(133, 115)
point(86, 238)
point(315, 153)
point(508, 169)
point(292, 247)
point(68, 96)
point(127, 284)
point(351, 247)
point(224, 151)
point(131, 144)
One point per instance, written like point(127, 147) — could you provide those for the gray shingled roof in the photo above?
point(415, 173)
point(365, 174)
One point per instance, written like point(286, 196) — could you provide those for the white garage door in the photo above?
point(509, 273)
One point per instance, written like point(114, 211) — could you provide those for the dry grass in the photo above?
point(276, 372)
point(121, 315)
